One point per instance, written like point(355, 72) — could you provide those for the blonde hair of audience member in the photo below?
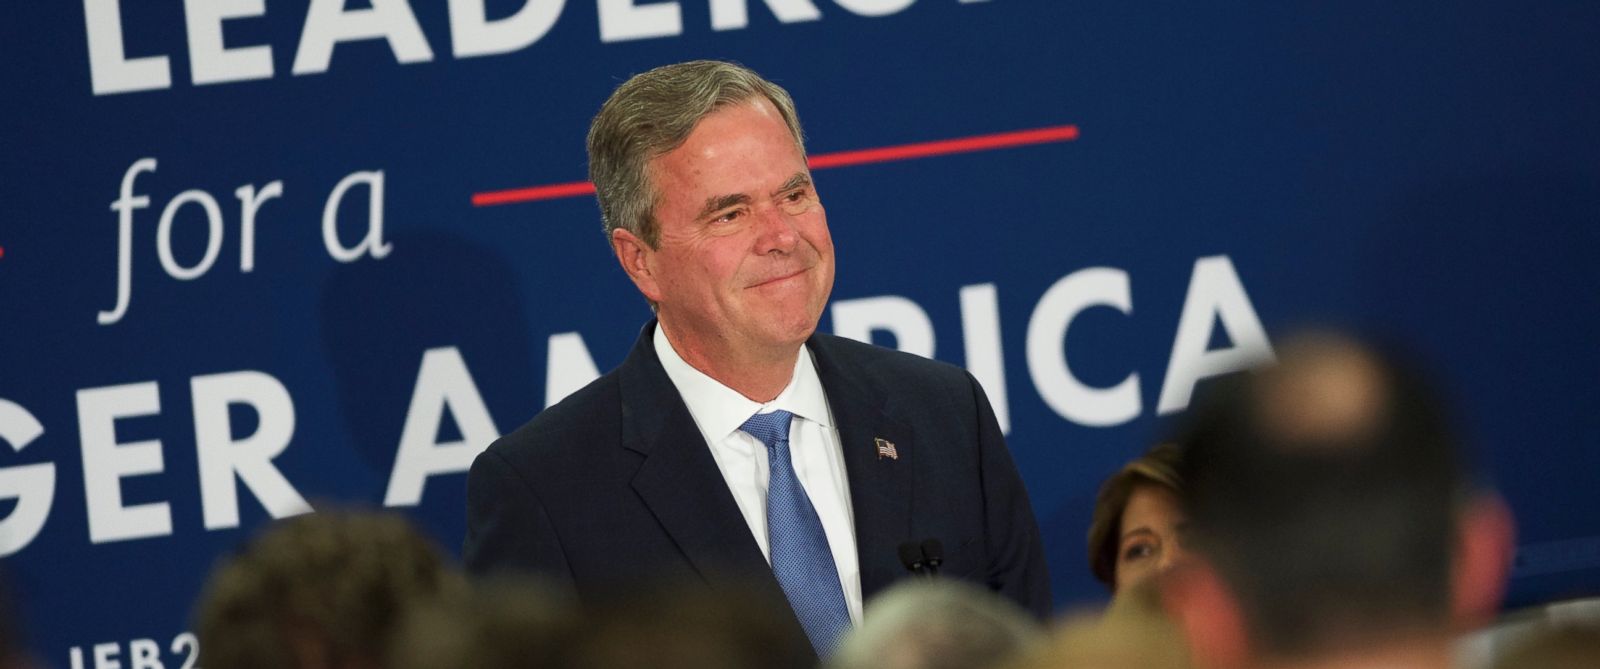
point(1554, 646)
point(1133, 633)
point(318, 591)
point(937, 624)
point(1137, 520)
point(1333, 519)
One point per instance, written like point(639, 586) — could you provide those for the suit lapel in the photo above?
point(880, 485)
point(679, 480)
point(680, 483)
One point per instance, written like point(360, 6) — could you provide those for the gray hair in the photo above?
point(652, 114)
point(937, 624)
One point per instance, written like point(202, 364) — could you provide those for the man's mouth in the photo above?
point(780, 278)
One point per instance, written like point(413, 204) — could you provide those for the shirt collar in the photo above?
point(721, 410)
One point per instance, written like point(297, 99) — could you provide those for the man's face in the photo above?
point(743, 261)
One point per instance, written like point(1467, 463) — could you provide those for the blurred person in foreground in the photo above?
point(1138, 520)
point(1332, 519)
point(502, 623)
point(1133, 633)
point(684, 625)
point(937, 624)
point(319, 591)
point(1554, 646)
point(13, 650)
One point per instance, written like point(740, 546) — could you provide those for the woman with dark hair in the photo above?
point(1137, 520)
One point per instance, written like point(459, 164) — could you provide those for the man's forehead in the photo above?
point(722, 146)
point(734, 122)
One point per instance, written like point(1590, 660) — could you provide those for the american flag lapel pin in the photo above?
point(886, 449)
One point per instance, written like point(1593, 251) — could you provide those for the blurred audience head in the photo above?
point(1574, 646)
point(323, 590)
point(1137, 519)
point(1133, 633)
point(13, 651)
point(687, 626)
point(937, 624)
point(501, 623)
point(1330, 513)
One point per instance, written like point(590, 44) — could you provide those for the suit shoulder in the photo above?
point(592, 414)
point(889, 363)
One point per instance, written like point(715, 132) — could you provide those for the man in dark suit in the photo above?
point(735, 445)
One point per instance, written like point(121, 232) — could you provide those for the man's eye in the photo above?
point(729, 216)
point(796, 201)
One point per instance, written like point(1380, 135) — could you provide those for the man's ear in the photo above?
point(1484, 550)
point(1205, 610)
point(638, 260)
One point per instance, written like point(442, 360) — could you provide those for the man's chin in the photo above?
point(793, 331)
point(796, 334)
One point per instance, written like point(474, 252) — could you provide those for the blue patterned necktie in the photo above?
point(801, 558)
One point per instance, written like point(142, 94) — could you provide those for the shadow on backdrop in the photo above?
point(1488, 268)
point(433, 290)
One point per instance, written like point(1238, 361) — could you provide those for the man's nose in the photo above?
point(775, 231)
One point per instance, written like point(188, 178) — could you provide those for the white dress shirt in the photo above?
point(719, 411)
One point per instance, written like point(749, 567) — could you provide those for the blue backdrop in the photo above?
point(241, 270)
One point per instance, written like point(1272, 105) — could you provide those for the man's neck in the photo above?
point(1420, 654)
point(759, 375)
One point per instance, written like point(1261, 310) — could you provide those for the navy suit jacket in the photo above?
point(616, 482)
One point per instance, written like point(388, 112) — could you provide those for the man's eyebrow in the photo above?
point(798, 180)
point(717, 202)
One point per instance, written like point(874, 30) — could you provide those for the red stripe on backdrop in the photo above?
point(551, 192)
point(1003, 140)
point(943, 147)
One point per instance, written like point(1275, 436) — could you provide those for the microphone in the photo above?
point(911, 557)
point(922, 558)
point(932, 555)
